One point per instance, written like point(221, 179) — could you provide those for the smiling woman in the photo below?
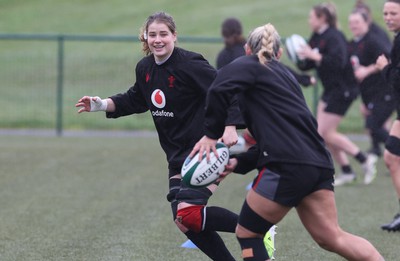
point(158, 36)
point(172, 84)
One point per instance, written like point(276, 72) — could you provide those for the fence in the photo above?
point(42, 77)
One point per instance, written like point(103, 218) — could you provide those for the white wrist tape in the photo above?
point(98, 104)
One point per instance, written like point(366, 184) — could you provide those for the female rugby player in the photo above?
point(172, 84)
point(391, 71)
point(376, 94)
point(327, 53)
point(232, 33)
point(295, 167)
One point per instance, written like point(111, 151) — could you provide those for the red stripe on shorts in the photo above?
point(255, 184)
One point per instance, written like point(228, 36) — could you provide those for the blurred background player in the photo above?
point(374, 28)
point(378, 102)
point(379, 33)
point(295, 168)
point(232, 33)
point(327, 53)
point(391, 71)
point(172, 84)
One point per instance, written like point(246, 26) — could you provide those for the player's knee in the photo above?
point(387, 157)
point(250, 220)
point(174, 186)
point(329, 135)
point(392, 153)
point(329, 240)
point(191, 218)
point(326, 243)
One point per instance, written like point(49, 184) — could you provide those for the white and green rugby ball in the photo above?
point(293, 44)
point(197, 174)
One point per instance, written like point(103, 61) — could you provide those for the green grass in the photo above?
point(28, 69)
point(98, 198)
point(103, 198)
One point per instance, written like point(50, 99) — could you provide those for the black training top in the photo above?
point(274, 110)
point(335, 70)
point(380, 33)
point(392, 71)
point(366, 50)
point(175, 93)
point(230, 53)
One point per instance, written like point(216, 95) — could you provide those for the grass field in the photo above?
point(98, 198)
point(103, 198)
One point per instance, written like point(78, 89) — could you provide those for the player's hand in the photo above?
point(229, 168)
point(361, 73)
point(91, 104)
point(307, 53)
point(206, 145)
point(230, 136)
point(381, 62)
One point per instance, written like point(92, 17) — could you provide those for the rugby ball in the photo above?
point(197, 174)
point(293, 44)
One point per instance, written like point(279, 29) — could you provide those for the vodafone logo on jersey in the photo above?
point(158, 98)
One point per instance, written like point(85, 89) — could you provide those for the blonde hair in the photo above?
point(265, 42)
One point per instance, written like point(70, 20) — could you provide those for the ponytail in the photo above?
point(264, 41)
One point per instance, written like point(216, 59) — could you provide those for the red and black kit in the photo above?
point(365, 51)
point(392, 71)
point(274, 110)
point(335, 70)
point(175, 93)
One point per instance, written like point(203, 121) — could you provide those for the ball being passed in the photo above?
point(293, 44)
point(197, 174)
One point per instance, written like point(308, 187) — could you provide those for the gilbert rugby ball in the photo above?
point(197, 174)
point(293, 44)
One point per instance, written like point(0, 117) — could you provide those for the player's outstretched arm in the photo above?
point(92, 104)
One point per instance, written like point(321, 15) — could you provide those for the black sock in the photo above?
point(346, 169)
point(211, 244)
point(220, 219)
point(361, 157)
point(253, 249)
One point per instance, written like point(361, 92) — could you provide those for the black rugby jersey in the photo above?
point(273, 108)
point(175, 94)
point(335, 70)
point(230, 53)
point(365, 51)
point(392, 71)
point(380, 33)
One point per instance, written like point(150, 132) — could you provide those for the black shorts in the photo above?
point(338, 102)
point(380, 112)
point(288, 184)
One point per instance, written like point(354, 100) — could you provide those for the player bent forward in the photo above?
point(295, 168)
